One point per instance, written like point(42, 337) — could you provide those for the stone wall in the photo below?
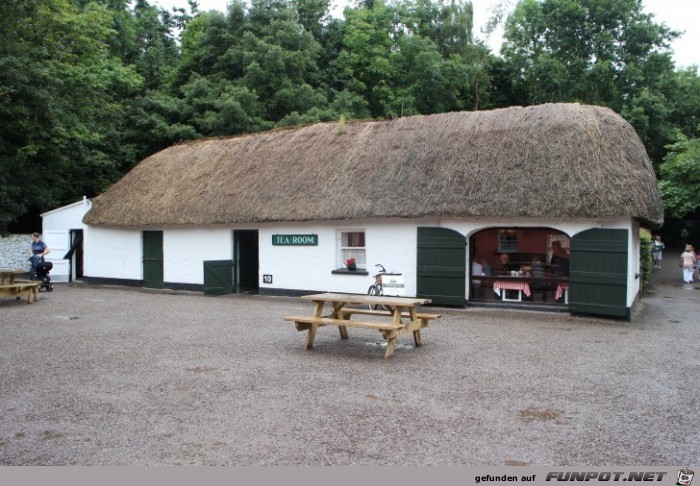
point(14, 251)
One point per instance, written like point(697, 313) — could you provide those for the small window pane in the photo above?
point(354, 239)
point(353, 245)
point(507, 241)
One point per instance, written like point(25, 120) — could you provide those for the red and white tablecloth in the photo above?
point(511, 285)
point(560, 290)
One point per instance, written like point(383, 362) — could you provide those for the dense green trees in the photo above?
point(61, 104)
point(90, 87)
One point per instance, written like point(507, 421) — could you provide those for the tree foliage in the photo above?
point(680, 183)
point(88, 88)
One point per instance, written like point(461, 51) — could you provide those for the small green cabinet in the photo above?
point(218, 277)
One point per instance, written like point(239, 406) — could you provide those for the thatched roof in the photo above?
point(555, 160)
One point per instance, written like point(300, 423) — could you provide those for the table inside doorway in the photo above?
point(503, 285)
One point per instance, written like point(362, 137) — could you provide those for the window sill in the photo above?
point(345, 271)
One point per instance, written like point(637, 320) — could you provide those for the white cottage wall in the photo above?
point(186, 249)
point(309, 267)
point(634, 278)
point(113, 253)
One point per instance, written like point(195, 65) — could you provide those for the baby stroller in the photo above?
point(42, 273)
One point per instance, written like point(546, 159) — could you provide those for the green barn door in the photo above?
point(441, 266)
point(598, 268)
point(218, 277)
point(153, 259)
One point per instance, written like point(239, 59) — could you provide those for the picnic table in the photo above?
point(396, 316)
point(10, 286)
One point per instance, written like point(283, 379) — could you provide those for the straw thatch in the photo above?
point(554, 161)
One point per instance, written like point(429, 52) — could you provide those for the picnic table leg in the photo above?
point(314, 327)
point(390, 346)
point(416, 333)
point(319, 308)
point(311, 336)
point(397, 314)
point(337, 314)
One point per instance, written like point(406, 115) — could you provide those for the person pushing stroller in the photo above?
point(37, 253)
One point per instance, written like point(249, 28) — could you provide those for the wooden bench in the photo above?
point(20, 289)
point(348, 311)
point(303, 323)
point(389, 330)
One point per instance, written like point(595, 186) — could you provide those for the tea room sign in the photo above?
point(295, 240)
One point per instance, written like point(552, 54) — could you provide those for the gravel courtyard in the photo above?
point(98, 375)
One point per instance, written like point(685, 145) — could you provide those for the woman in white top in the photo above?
point(688, 262)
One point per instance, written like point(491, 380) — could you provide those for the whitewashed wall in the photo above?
point(57, 225)
point(185, 250)
point(392, 244)
point(116, 253)
point(112, 253)
point(14, 251)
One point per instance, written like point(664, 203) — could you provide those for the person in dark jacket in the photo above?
point(37, 253)
point(560, 260)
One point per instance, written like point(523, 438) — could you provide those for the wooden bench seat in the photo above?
point(304, 322)
point(348, 311)
point(389, 330)
point(20, 289)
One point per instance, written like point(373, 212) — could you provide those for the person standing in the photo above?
point(560, 260)
point(37, 253)
point(657, 248)
point(688, 262)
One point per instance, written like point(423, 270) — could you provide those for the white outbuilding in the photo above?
point(63, 231)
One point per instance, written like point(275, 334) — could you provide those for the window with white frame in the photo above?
point(352, 244)
point(507, 241)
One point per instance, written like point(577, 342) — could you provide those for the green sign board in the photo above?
point(295, 240)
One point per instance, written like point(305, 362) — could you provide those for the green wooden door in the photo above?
point(441, 266)
point(598, 268)
point(218, 277)
point(153, 259)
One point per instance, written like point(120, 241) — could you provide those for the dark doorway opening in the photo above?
point(75, 255)
point(246, 264)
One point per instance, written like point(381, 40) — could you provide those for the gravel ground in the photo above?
point(112, 376)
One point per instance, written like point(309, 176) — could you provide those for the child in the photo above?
point(656, 251)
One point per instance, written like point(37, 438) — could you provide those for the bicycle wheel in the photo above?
point(373, 290)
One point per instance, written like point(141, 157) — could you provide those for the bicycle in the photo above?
point(386, 283)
